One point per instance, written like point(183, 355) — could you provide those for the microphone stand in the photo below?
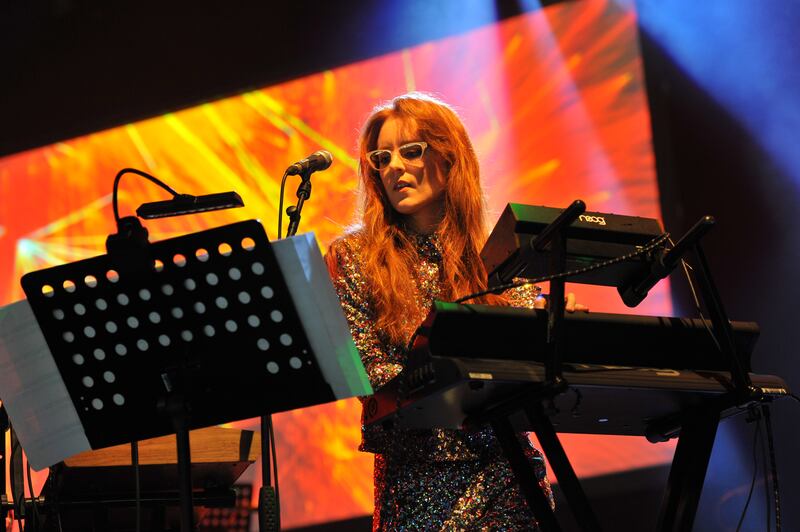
point(553, 240)
point(268, 506)
point(269, 512)
point(638, 288)
point(303, 193)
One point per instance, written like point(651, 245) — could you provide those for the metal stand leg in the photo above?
point(526, 478)
point(184, 475)
point(175, 407)
point(567, 479)
point(688, 472)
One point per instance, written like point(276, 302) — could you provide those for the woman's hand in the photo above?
point(570, 306)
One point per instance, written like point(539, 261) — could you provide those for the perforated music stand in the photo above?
point(205, 334)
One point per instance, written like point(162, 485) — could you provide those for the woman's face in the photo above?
point(415, 187)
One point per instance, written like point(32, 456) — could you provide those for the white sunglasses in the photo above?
point(410, 153)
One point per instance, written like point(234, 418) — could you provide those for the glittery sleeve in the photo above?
point(523, 296)
point(380, 358)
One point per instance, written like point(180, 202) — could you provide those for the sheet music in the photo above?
point(33, 392)
point(321, 314)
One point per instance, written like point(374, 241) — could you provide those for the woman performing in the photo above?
point(422, 228)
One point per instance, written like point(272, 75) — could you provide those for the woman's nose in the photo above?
point(396, 162)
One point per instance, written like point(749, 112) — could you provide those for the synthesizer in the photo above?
point(627, 375)
point(594, 237)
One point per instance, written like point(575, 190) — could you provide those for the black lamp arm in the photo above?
point(124, 171)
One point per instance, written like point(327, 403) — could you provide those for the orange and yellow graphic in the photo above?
point(555, 105)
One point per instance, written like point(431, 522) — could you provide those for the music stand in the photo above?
point(209, 332)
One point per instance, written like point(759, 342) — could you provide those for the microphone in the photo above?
point(636, 289)
point(319, 160)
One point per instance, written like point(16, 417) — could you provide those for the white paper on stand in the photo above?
point(321, 315)
point(33, 392)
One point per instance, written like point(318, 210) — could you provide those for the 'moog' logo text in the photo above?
point(599, 220)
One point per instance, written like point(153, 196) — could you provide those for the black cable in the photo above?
point(124, 171)
point(696, 299)
point(18, 505)
point(768, 499)
point(773, 466)
point(269, 418)
point(563, 275)
point(275, 472)
point(793, 396)
point(755, 472)
point(280, 203)
point(703, 319)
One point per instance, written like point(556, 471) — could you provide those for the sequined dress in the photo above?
point(439, 479)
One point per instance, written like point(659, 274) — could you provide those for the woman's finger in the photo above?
point(570, 306)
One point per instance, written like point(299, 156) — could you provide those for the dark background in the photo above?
point(70, 67)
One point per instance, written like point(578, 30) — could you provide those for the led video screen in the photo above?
point(555, 105)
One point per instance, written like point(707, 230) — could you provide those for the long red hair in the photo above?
point(388, 253)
